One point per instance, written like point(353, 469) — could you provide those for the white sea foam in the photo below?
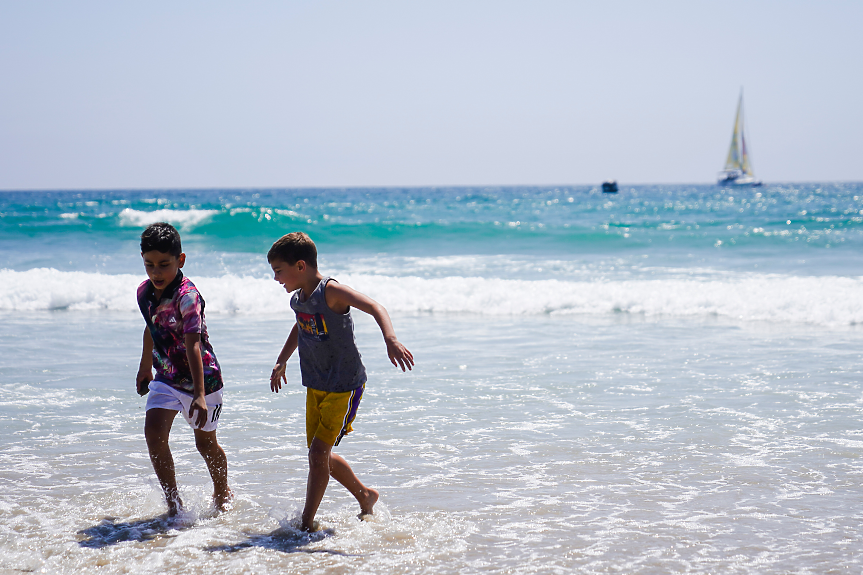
point(184, 219)
point(51, 289)
point(822, 300)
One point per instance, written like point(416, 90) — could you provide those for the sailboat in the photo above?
point(738, 167)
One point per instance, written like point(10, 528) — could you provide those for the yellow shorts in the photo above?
point(329, 415)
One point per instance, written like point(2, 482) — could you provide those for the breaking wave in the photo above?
point(183, 219)
point(822, 300)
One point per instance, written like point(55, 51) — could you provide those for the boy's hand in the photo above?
point(399, 353)
point(277, 377)
point(199, 404)
point(142, 380)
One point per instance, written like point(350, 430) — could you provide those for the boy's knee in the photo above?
point(154, 434)
point(157, 425)
point(319, 453)
point(204, 444)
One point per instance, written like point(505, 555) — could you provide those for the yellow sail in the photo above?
point(734, 160)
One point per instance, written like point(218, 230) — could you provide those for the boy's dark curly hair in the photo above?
point(162, 237)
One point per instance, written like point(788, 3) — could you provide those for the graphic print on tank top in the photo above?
point(313, 325)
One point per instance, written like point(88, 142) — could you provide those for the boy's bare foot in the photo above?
point(311, 528)
point(223, 501)
point(367, 503)
point(175, 505)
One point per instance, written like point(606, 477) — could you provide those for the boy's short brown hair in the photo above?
point(294, 247)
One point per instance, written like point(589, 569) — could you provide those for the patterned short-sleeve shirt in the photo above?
point(179, 311)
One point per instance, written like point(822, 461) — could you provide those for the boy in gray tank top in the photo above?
point(330, 363)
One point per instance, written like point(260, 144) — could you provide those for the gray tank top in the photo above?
point(329, 358)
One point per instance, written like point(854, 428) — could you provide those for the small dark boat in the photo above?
point(609, 187)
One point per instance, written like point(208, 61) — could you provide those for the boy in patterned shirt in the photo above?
point(330, 364)
point(188, 377)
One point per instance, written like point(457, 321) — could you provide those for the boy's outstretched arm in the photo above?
point(341, 297)
point(196, 366)
point(278, 376)
point(145, 369)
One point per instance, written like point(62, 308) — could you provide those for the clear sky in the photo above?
point(246, 94)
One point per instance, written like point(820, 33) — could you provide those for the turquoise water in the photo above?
point(792, 252)
point(761, 223)
point(666, 380)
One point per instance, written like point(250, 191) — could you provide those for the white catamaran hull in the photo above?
point(736, 178)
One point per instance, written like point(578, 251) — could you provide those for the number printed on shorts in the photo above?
point(217, 411)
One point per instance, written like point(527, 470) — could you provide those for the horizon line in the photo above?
point(399, 186)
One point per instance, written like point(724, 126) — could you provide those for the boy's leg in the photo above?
point(157, 428)
point(319, 476)
point(342, 472)
point(323, 463)
point(217, 464)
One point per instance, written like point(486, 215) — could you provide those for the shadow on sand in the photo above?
point(286, 540)
point(109, 532)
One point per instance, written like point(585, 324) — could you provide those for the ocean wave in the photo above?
point(821, 300)
point(183, 219)
point(51, 289)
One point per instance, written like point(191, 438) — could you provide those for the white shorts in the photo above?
point(163, 396)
